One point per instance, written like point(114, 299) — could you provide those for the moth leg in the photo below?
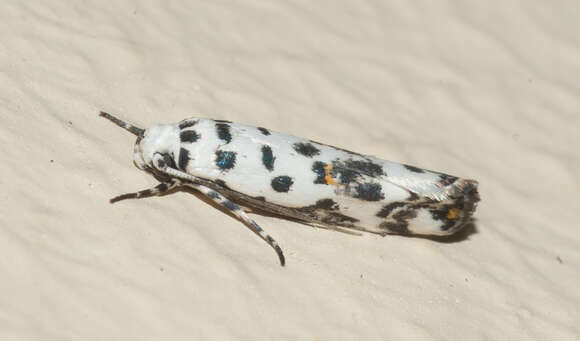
point(237, 211)
point(232, 207)
point(151, 192)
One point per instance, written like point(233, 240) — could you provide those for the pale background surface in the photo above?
point(484, 91)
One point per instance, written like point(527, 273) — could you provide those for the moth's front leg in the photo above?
point(219, 199)
point(238, 211)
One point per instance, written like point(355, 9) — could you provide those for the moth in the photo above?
point(241, 167)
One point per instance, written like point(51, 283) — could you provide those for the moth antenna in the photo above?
point(129, 127)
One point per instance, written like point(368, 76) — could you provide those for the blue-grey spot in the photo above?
point(268, 158)
point(225, 160)
point(369, 192)
point(318, 169)
point(223, 131)
point(282, 183)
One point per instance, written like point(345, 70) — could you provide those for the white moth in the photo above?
point(240, 166)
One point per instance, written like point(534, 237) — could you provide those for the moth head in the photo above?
point(155, 148)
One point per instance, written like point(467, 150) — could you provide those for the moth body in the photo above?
point(302, 179)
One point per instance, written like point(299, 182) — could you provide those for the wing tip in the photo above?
point(465, 195)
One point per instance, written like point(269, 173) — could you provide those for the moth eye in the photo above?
point(165, 160)
point(168, 160)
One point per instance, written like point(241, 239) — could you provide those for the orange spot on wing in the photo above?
point(328, 177)
point(453, 213)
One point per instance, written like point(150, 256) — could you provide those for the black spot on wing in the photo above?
point(306, 149)
point(446, 180)
point(223, 132)
point(221, 183)
point(222, 121)
point(447, 224)
point(346, 175)
point(369, 191)
point(282, 183)
point(365, 167)
point(388, 209)
point(268, 158)
point(395, 227)
point(183, 158)
point(225, 160)
point(260, 198)
point(187, 124)
point(264, 131)
point(441, 213)
point(322, 204)
point(414, 169)
point(327, 211)
point(326, 204)
point(189, 136)
point(350, 170)
point(404, 215)
point(338, 219)
point(318, 169)
point(401, 223)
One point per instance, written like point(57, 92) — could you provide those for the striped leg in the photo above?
point(151, 192)
point(240, 214)
point(230, 206)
